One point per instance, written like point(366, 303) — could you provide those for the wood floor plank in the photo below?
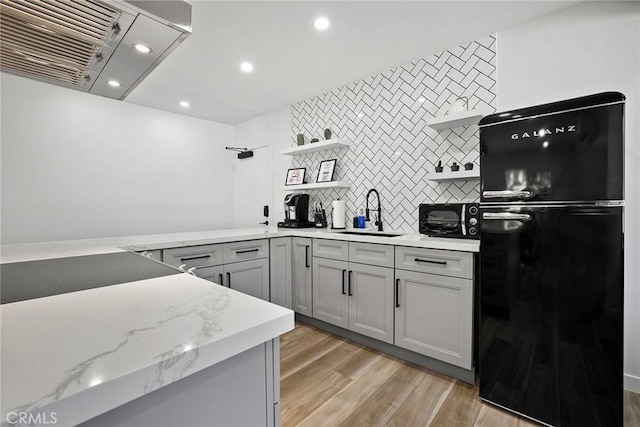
point(358, 363)
point(492, 416)
point(302, 380)
point(309, 354)
point(631, 409)
point(460, 408)
point(386, 400)
point(304, 403)
point(299, 339)
point(424, 403)
point(341, 406)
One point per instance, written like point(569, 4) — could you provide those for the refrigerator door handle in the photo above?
point(519, 194)
point(506, 215)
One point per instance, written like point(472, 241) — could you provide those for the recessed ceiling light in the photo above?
point(184, 104)
point(142, 48)
point(247, 67)
point(113, 83)
point(321, 23)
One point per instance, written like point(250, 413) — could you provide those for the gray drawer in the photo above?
point(247, 250)
point(371, 253)
point(333, 249)
point(435, 261)
point(194, 256)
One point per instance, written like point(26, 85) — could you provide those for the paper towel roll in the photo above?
point(339, 213)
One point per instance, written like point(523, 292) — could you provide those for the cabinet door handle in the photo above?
point(397, 293)
point(343, 273)
point(229, 280)
point(195, 257)
point(431, 262)
point(306, 256)
point(350, 272)
point(246, 251)
point(221, 279)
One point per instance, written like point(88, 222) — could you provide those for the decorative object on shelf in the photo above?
point(300, 139)
point(468, 166)
point(314, 140)
point(459, 105)
point(326, 170)
point(455, 167)
point(439, 166)
point(295, 176)
point(327, 134)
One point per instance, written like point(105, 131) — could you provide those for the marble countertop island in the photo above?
point(70, 357)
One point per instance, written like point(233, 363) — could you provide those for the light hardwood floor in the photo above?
point(327, 380)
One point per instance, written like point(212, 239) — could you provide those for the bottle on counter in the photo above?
point(361, 220)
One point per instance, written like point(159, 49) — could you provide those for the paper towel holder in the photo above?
point(341, 221)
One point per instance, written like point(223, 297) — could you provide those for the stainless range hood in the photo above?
point(85, 44)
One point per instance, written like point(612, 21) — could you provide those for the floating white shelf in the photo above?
point(450, 176)
point(471, 117)
point(316, 146)
point(317, 186)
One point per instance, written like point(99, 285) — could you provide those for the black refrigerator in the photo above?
point(551, 261)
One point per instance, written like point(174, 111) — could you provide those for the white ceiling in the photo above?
point(294, 61)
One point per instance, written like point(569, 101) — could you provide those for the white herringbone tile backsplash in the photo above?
point(392, 148)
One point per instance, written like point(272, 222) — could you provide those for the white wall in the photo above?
point(81, 166)
point(257, 180)
point(593, 47)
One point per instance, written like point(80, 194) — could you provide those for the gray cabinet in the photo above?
point(281, 271)
point(249, 277)
point(354, 295)
point(302, 276)
point(330, 300)
point(434, 312)
point(243, 266)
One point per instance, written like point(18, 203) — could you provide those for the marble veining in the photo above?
point(172, 364)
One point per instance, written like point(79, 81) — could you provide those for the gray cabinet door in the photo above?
point(302, 284)
point(212, 274)
point(249, 277)
point(280, 271)
point(330, 300)
point(370, 291)
point(435, 316)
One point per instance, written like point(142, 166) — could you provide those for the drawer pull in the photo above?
point(430, 262)
point(195, 257)
point(397, 293)
point(343, 273)
point(248, 250)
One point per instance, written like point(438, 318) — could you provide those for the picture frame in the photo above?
point(295, 176)
point(326, 170)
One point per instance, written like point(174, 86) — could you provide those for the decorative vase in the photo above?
point(468, 166)
point(327, 134)
point(439, 166)
point(300, 139)
point(455, 167)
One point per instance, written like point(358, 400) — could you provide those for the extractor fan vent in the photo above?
point(57, 41)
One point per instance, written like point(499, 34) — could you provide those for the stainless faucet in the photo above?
point(379, 218)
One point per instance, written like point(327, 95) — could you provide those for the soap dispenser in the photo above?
point(361, 219)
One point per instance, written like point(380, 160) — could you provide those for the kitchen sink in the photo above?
point(371, 233)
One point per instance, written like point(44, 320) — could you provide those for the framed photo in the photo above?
point(295, 176)
point(327, 168)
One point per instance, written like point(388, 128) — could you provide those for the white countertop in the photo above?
point(44, 250)
point(83, 353)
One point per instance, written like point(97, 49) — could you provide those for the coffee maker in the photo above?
point(296, 211)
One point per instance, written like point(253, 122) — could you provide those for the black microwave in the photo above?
point(459, 220)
